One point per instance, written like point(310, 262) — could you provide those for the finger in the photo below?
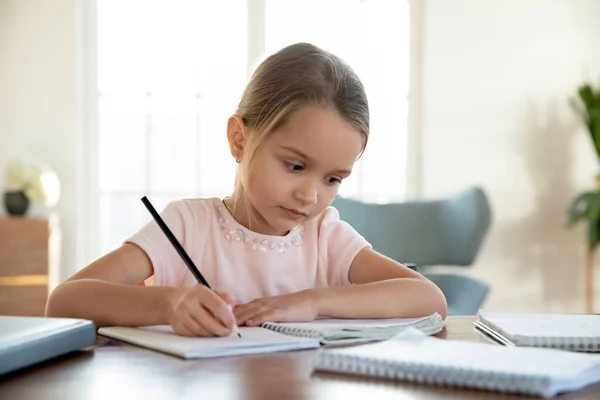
point(251, 314)
point(266, 316)
point(228, 298)
point(218, 308)
point(209, 322)
point(182, 330)
point(237, 310)
point(195, 327)
point(240, 309)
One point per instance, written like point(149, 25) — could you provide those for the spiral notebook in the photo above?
point(575, 332)
point(352, 331)
point(414, 357)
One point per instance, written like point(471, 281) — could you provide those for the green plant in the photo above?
point(586, 206)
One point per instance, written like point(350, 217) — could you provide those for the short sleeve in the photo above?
point(169, 269)
point(339, 243)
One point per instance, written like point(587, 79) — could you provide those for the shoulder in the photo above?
point(329, 227)
point(194, 207)
point(330, 220)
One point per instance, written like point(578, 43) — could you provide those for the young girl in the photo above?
point(274, 250)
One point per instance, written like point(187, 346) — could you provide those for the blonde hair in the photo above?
point(298, 75)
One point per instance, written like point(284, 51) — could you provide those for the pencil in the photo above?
point(186, 259)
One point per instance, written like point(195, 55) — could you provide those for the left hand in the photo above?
point(294, 307)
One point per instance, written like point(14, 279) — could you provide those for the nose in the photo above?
point(307, 193)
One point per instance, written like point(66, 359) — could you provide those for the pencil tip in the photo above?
point(239, 335)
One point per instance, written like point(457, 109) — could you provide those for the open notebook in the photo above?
point(417, 358)
point(271, 337)
point(576, 332)
point(349, 331)
point(254, 340)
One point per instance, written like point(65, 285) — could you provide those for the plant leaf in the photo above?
point(593, 207)
point(579, 208)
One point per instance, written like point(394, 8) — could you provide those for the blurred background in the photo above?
point(122, 99)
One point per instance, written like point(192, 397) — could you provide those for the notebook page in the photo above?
point(253, 340)
point(325, 324)
point(357, 323)
point(548, 325)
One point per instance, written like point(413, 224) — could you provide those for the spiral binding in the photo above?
point(292, 331)
point(576, 343)
point(435, 375)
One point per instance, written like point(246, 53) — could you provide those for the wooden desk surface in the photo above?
point(117, 369)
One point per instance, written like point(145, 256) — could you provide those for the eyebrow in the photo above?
point(304, 156)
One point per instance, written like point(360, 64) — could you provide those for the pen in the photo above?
point(186, 259)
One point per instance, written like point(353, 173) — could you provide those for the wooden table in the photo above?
point(116, 369)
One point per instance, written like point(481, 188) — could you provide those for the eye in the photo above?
point(334, 181)
point(294, 167)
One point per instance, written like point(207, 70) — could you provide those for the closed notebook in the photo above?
point(576, 332)
point(349, 331)
point(414, 357)
point(253, 340)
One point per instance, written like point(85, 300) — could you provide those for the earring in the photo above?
point(237, 159)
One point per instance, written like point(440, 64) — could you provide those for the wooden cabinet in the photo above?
point(29, 263)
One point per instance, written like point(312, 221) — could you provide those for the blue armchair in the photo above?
point(442, 232)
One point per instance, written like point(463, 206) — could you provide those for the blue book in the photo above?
point(26, 341)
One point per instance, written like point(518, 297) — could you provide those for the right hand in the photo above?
point(199, 311)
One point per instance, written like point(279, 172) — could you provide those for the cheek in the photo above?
point(327, 194)
point(266, 180)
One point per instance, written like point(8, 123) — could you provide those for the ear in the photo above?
point(236, 136)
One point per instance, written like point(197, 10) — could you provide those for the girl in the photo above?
point(274, 250)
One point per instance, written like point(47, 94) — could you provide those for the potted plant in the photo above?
point(586, 206)
point(27, 181)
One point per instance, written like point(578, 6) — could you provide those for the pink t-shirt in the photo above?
point(248, 265)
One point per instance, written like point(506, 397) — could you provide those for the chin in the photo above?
point(283, 225)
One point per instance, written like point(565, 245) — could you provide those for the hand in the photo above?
point(199, 311)
point(295, 307)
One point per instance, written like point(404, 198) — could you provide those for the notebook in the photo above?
point(414, 357)
point(272, 337)
point(574, 332)
point(163, 339)
point(25, 341)
point(351, 331)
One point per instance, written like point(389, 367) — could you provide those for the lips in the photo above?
point(294, 214)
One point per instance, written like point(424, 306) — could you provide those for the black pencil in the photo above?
point(186, 259)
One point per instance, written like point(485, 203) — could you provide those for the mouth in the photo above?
point(294, 214)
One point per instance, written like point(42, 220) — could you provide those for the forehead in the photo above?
point(320, 133)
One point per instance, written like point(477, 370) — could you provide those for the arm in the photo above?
point(383, 288)
point(108, 292)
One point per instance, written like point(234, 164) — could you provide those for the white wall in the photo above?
point(496, 79)
point(38, 97)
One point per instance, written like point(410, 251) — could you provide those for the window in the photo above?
point(169, 77)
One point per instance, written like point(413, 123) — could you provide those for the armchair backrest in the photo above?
point(446, 231)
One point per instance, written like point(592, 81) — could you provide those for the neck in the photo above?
point(246, 215)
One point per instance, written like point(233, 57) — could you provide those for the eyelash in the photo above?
point(290, 166)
